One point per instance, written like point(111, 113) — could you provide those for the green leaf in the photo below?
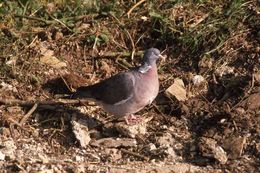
point(155, 15)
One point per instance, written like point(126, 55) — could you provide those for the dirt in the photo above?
point(214, 129)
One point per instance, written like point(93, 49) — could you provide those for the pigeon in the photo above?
point(126, 93)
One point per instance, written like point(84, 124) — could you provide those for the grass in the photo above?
point(193, 29)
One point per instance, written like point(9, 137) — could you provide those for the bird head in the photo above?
point(150, 57)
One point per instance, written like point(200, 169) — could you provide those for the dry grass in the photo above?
point(99, 38)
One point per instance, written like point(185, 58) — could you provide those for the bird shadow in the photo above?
point(65, 84)
point(56, 86)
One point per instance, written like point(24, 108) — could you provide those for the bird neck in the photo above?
point(146, 67)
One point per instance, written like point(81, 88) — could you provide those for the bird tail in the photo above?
point(82, 93)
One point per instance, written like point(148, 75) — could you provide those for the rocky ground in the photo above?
point(205, 119)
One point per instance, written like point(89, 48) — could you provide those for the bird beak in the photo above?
point(162, 57)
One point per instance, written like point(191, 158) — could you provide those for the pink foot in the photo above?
point(133, 119)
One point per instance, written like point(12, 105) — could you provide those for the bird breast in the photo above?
point(148, 87)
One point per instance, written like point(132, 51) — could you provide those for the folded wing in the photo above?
point(115, 90)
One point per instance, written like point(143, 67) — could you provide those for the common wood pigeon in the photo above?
point(127, 92)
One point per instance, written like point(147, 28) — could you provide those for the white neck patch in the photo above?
point(144, 68)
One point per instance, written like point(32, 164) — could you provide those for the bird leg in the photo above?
point(133, 119)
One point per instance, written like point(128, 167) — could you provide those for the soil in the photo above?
point(215, 128)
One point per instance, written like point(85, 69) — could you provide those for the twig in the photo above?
point(201, 95)
point(35, 38)
point(20, 3)
point(94, 47)
point(199, 21)
point(136, 5)
point(214, 79)
point(18, 124)
point(65, 82)
point(216, 48)
point(132, 43)
point(241, 100)
point(252, 84)
point(59, 21)
point(47, 22)
point(128, 34)
point(159, 111)
point(135, 154)
point(14, 122)
point(39, 102)
point(245, 97)
point(29, 113)
point(115, 54)
point(78, 18)
point(123, 63)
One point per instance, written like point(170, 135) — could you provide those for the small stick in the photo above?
point(35, 38)
point(135, 154)
point(29, 113)
point(60, 22)
point(65, 82)
point(214, 79)
point(47, 22)
point(252, 84)
point(128, 34)
point(115, 54)
point(162, 114)
point(136, 5)
point(246, 95)
point(18, 124)
point(39, 102)
point(14, 122)
point(122, 63)
point(132, 43)
point(199, 21)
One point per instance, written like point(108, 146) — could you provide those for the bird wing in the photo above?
point(115, 90)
